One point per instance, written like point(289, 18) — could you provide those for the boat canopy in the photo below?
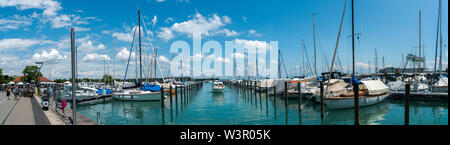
point(375, 87)
point(443, 82)
point(151, 87)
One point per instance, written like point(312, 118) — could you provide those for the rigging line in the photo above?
point(337, 44)
point(307, 58)
point(154, 50)
point(129, 56)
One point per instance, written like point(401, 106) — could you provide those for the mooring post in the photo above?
point(286, 93)
point(98, 118)
point(407, 101)
point(170, 94)
point(162, 98)
point(356, 102)
point(176, 94)
point(299, 96)
point(267, 91)
point(274, 93)
point(321, 101)
point(260, 90)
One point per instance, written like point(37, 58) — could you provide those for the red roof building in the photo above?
point(41, 79)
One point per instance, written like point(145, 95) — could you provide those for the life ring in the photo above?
point(45, 104)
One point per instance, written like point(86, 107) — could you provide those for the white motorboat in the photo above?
point(137, 95)
point(218, 87)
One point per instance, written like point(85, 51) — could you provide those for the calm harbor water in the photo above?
point(235, 107)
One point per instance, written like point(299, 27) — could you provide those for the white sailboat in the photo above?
point(148, 92)
point(371, 92)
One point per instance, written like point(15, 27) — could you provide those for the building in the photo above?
point(393, 70)
point(42, 80)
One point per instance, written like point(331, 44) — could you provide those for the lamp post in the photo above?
point(38, 79)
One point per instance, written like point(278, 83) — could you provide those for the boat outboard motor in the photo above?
point(45, 102)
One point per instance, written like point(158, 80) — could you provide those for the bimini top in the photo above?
point(375, 87)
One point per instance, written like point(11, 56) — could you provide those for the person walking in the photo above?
point(8, 93)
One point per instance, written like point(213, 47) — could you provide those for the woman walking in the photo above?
point(8, 93)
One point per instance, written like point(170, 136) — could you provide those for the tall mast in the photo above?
point(437, 37)
point(440, 41)
point(314, 35)
point(140, 49)
point(420, 39)
point(355, 87)
point(376, 64)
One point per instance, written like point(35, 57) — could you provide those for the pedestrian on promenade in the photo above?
point(8, 94)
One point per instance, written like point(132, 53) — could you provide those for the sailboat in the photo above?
point(339, 94)
point(442, 84)
point(147, 92)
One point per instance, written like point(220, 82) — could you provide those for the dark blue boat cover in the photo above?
point(151, 87)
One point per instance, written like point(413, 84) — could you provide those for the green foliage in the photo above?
point(2, 80)
point(60, 80)
point(31, 73)
point(108, 79)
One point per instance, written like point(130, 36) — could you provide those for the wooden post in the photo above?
point(286, 93)
point(162, 98)
point(274, 93)
point(98, 118)
point(407, 101)
point(299, 96)
point(321, 101)
point(356, 102)
point(170, 94)
point(176, 94)
point(267, 91)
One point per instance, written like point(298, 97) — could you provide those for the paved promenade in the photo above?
point(25, 111)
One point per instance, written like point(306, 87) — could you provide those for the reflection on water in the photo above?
point(237, 106)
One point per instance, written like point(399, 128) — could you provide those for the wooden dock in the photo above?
point(66, 117)
point(95, 99)
point(421, 96)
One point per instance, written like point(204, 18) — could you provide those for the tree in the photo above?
point(2, 80)
point(108, 79)
point(31, 73)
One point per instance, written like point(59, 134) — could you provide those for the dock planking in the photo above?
point(421, 96)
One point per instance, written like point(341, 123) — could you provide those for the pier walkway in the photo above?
point(25, 111)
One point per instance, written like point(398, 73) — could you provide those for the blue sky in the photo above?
point(39, 30)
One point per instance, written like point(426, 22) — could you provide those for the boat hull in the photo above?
point(217, 90)
point(146, 96)
point(350, 103)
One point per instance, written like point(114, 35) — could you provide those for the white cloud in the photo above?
point(154, 20)
point(160, 1)
point(14, 22)
point(95, 57)
point(49, 57)
point(124, 54)
point(210, 26)
point(165, 34)
point(89, 46)
point(127, 37)
point(16, 43)
point(252, 45)
point(238, 55)
point(50, 7)
point(50, 12)
point(163, 59)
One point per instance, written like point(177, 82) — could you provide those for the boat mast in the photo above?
point(314, 35)
point(420, 39)
point(437, 37)
point(355, 87)
point(440, 41)
point(376, 64)
point(140, 50)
